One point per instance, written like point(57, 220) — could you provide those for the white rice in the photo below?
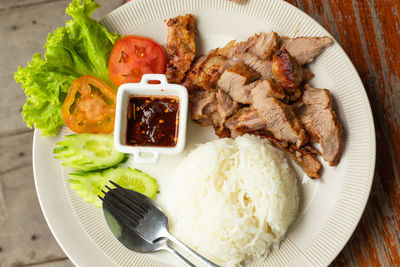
point(232, 200)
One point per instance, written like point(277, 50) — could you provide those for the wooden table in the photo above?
point(368, 30)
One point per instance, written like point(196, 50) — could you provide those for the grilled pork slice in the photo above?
point(226, 106)
point(261, 45)
point(289, 75)
point(202, 104)
point(268, 87)
point(279, 118)
point(218, 124)
point(261, 66)
point(305, 49)
point(212, 108)
point(322, 124)
point(206, 70)
point(286, 70)
point(194, 72)
point(246, 120)
point(181, 47)
point(235, 82)
point(303, 157)
point(240, 73)
point(242, 94)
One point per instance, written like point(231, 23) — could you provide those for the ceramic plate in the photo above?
point(330, 207)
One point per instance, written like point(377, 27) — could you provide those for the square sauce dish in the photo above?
point(151, 118)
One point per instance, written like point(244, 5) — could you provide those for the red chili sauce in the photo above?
point(152, 121)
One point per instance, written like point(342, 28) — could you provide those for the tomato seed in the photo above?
point(140, 52)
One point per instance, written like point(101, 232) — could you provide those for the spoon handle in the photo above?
point(179, 256)
point(190, 251)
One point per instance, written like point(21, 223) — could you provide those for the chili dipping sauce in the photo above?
point(152, 121)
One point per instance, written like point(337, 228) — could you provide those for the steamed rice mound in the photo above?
point(232, 200)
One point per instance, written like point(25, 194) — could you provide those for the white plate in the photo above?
point(331, 207)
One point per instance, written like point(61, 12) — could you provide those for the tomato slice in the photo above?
point(133, 56)
point(89, 106)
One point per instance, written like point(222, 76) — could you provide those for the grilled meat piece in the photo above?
point(286, 70)
point(226, 106)
point(279, 118)
point(246, 120)
point(322, 124)
point(261, 66)
point(181, 47)
point(238, 74)
point(194, 72)
point(212, 108)
point(307, 74)
point(269, 88)
point(218, 125)
point(262, 45)
point(202, 104)
point(302, 156)
point(305, 159)
point(234, 81)
point(206, 70)
point(305, 49)
point(238, 93)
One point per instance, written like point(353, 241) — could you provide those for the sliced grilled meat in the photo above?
point(307, 74)
point(322, 124)
point(286, 70)
point(305, 49)
point(279, 118)
point(262, 45)
point(261, 66)
point(304, 158)
point(241, 94)
point(268, 87)
point(202, 104)
point(206, 70)
point(226, 106)
point(218, 125)
point(212, 108)
point(246, 120)
point(238, 74)
point(234, 81)
point(181, 47)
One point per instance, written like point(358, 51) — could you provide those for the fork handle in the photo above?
point(179, 256)
point(189, 250)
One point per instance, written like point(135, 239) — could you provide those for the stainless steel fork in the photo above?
point(140, 213)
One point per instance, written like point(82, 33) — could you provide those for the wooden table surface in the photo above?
point(369, 32)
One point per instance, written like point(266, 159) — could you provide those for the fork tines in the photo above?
point(123, 204)
point(129, 197)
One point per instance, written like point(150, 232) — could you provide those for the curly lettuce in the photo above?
point(80, 48)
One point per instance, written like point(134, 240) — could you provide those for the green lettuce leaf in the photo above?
point(80, 48)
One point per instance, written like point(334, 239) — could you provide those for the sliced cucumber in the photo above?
point(88, 152)
point(89, 184)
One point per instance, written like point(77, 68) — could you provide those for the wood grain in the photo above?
point(369, 32)
point(24, 236)
point(25, 239)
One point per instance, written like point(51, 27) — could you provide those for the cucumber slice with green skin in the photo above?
point(89, 184)
point(88, 152)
